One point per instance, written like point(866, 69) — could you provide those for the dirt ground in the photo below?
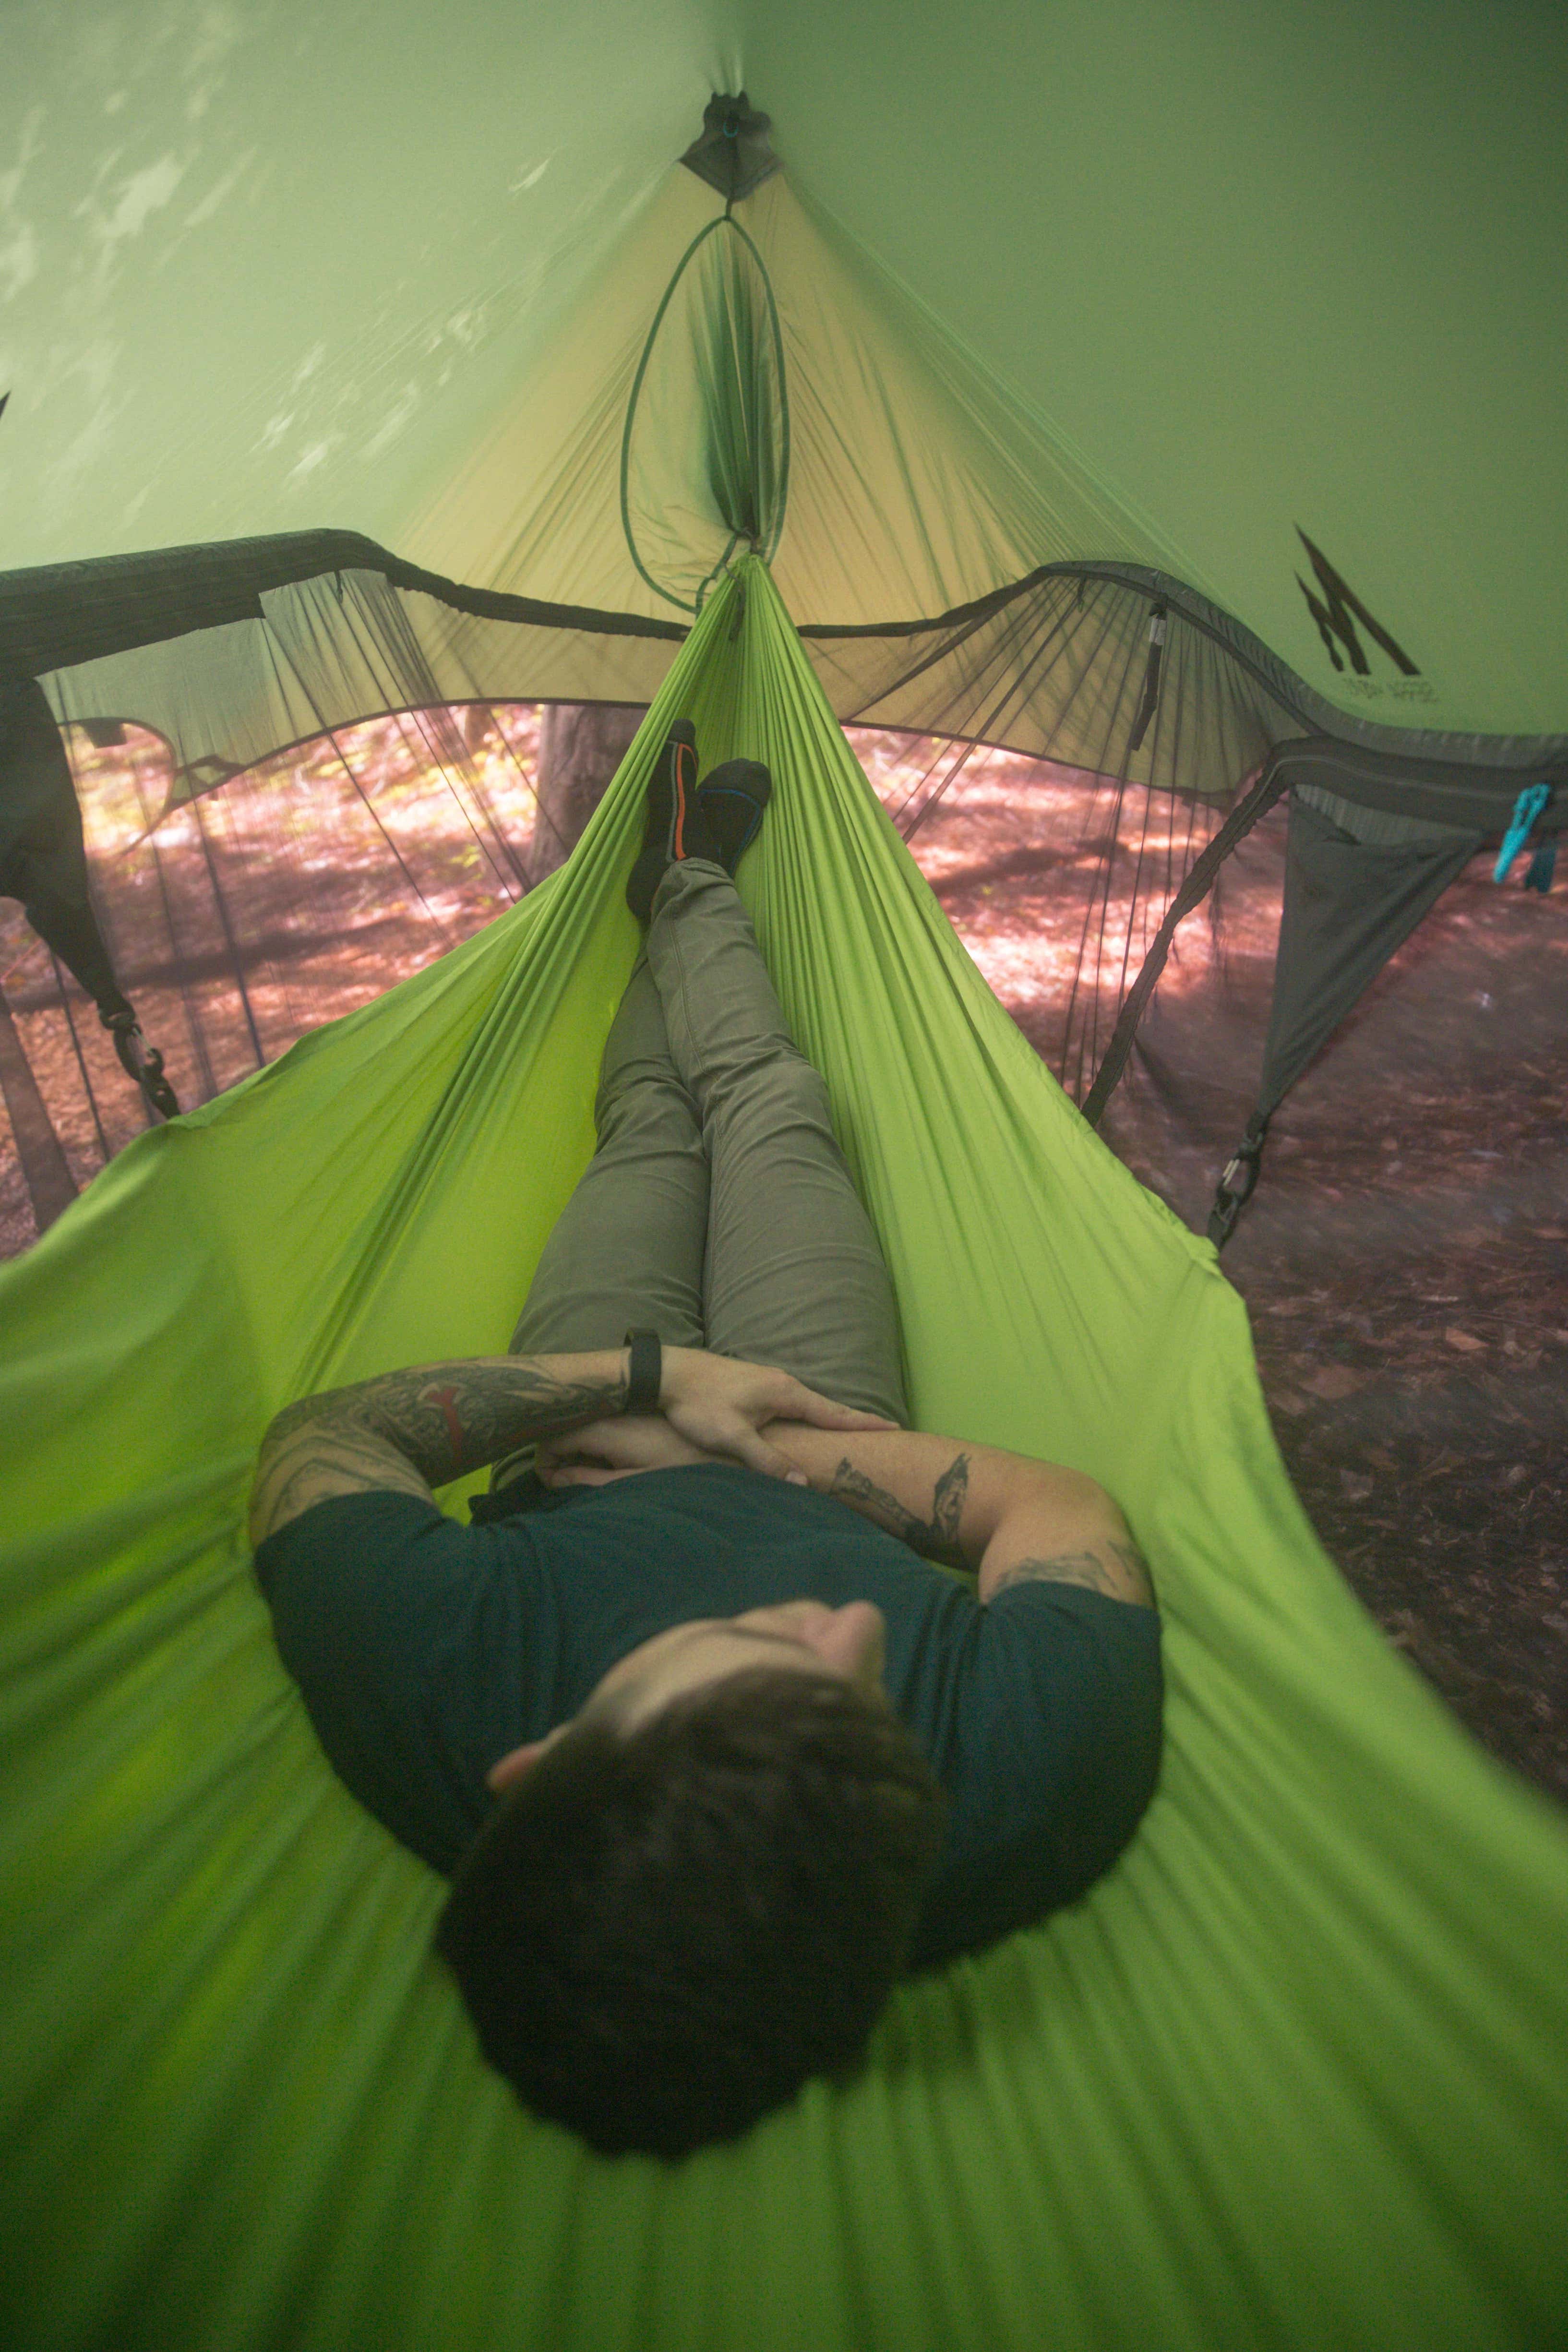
point(1405, 1261)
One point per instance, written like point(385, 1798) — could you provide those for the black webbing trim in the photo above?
point(54, 615)
point(1438, 791)
point(979, 609)
point(1495, 762)
point(494, 605)
point(1199, 883)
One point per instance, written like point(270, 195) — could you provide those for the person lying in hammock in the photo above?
point(706, 1714)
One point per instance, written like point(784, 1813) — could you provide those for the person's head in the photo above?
point(698, 1893)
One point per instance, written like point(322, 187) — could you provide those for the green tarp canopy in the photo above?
point(1237, 273)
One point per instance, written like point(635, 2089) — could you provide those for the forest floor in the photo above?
point(1405, 1261)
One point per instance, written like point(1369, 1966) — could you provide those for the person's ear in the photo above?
point(511, 1769)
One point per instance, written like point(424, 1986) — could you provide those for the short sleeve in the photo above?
point(408, 1637)
point(1054, 1761)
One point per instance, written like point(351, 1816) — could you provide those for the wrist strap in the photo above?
point(647, 1373)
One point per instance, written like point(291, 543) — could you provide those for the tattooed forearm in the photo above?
point(1117, 1570)
point(936, 1538)
point(411, 1431)
point(451, 1418)
point(318, 1461)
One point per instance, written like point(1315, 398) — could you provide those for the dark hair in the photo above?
point(663, 1934)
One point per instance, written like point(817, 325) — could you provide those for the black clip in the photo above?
point(1151, 695)
point(142, 1062)
point(1238, 1183)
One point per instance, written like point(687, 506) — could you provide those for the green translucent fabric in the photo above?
point(1222, 275)
point(1291, 2075)
point(915, 479)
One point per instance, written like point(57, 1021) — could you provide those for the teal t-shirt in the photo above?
point(426, 1650)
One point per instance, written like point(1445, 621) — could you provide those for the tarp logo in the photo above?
point(1336, 613)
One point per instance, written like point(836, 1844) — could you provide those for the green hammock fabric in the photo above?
point(1292, 2075)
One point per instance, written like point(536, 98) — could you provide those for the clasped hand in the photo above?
point(712, 1408)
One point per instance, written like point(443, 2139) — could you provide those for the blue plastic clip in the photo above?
point(1526, 809)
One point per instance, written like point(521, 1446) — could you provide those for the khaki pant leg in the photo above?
point(793, 1273)
point(627, 1248)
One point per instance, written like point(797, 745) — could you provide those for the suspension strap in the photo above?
point(751, 530)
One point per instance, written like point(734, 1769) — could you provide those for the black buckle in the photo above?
point(1238, 1183)
point(142, 1062)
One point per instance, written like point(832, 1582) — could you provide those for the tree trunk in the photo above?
point(582, 744)
point(50, 1184)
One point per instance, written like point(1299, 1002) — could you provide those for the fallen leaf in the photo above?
point(1332, 1381)
point(1463, 1340)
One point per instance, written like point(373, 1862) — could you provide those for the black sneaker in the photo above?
point(672, 790)
point(729, 813)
